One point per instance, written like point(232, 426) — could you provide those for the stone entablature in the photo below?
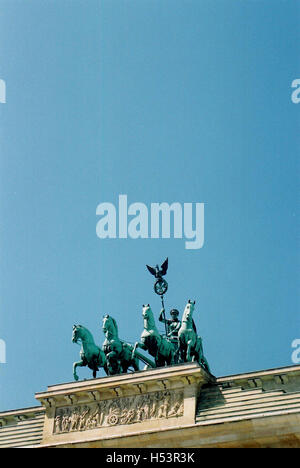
point(255, 409)
point(164, 397)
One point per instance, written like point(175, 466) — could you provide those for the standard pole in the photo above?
point(164, 314)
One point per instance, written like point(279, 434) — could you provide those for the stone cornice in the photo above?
point(15, 416)
point(166, 378)
point(280, 376)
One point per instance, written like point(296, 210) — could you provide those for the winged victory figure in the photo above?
point(158, 272)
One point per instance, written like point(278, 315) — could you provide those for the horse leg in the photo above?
point(182, 350)
point(136, 364)
point(171, 356)
point(194, 353)
point(134, 349)
point(170, 359)
point(175, 352)
point(105, 367)
point(95, 365)
point(178, 356)
point(113, 364)
point(201, 358)
point(137, 345)
point(75, 365)
point(159, 360)
point(188, 351)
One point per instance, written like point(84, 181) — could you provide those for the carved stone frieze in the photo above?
point(119, 411)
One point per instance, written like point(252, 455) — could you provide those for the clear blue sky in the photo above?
point(162, 100)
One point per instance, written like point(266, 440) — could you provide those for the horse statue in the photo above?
point(190, 344)
point(90, 354)
point(158, 346)
point(119, 354)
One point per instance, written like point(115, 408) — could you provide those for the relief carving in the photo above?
point(126, 410)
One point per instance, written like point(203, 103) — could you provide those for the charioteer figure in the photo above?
point(173, 326)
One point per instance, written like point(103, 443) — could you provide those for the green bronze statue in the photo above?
point(90, 354)
point(180, 343)
point(160, 285)
point(159, 347)
point(172, 326)
point(119, 354)
point(190, 344)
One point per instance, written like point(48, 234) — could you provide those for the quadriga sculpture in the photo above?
point(115, 357)
point(190, 344)
point(90, 354)
point(119, 354)
point(118, 357)
point(158, 346)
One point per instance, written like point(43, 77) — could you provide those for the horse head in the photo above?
point(147, 312)
point(81, 333)
point(149, 321)
point(188, 311)
point(76, 335)
point(109, 326)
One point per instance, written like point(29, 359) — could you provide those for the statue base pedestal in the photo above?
point(111, 411)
